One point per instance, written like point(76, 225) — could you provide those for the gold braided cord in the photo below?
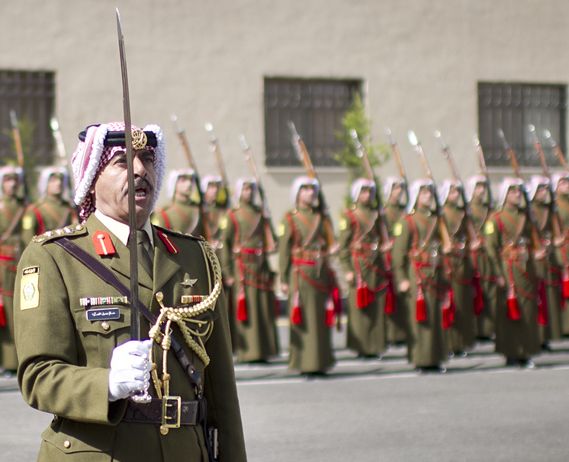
point(195, 331)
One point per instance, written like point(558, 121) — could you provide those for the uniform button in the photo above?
point(67, 444)
point(105, 325)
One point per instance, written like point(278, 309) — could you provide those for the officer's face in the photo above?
point(54, 185)
point(211, 192)
point(247, 193)
point(111, 187)
point(365, 196)
point(563, 186)
point(184, 187)
point(10, 185)
point(514, 196)
point(425, 197)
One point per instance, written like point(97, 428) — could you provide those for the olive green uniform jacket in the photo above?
point(360, 242)
point(459, 271)
point(563, 257)
point(64, 357)
point(304, 265)
point(515, 339)
point(47, 214)
point(417, 258)
point(396, 321)
point(183, 217)
point(484, 268)
point(548, 272)
point(11, 213)
point(247, 240)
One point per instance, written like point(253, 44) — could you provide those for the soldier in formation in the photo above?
point(560, 185)
point(248, 241)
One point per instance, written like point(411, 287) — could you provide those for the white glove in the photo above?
point(130, 369)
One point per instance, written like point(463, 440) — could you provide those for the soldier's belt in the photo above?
point(171, 411)
point(258, 251)
point(6, 258)
point(308, 254)
point(303, 262)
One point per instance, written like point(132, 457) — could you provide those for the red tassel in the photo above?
point(565, 284)
point(389, 299)
point(2, 313)
point(296, 313)
point(330, 315)
point(478, 296)
point(336, 301)
point(364, 296)
point(420, 306)
point(449, 310)
point(241, 306)
point(542, 305)
point(512, 303)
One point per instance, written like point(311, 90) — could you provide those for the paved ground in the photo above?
point(379, 410)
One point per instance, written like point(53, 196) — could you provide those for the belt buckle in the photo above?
point(167, 403)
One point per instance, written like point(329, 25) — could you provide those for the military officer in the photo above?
point(11, 212)
point(366, 273)
point(460, 328)
point(395, 203)
point(184, 213)
point(547, 270)
point(417, 266)
point(52, 210)
point(484, 277)
point(73, 317)
point(308, 280)
point(247, 242)
point(560, 184)
point(511, 249)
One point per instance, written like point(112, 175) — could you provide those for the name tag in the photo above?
point(103, 314)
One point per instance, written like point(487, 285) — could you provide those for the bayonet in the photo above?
point(19, 150)
point(556, 149)
point(216, 150)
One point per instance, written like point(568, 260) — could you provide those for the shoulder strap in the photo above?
point(106, 275)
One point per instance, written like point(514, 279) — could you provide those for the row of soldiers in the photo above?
point(408, 282)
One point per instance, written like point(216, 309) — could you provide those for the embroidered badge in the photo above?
point(489, 228)
point(103, 314)
point(27, 222)
point(98, 301)
point(281, 230)
point(103, 244)
point(223, 223)
point(29, 288)
point(188, 282)
point(343, 224)
point(397, 229)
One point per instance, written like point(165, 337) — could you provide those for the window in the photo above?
point(316, 107)
point(512, 107)
point(31, 96)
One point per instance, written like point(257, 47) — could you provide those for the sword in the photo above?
point(143, 397)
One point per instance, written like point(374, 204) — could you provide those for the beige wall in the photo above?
point(205, 60)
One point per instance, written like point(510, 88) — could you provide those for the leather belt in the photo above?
point(151, 413)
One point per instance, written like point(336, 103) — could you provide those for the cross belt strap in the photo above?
point(106, 275)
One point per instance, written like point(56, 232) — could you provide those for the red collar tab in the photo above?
point(172, 249)
point(103, 244)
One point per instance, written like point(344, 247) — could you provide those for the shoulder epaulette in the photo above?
point(66, 231)
point(178, 234)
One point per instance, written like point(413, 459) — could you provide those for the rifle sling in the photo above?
point(107, 275)
point(17, 217)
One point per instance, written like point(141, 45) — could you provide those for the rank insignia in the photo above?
point(103, 244)
point(103, 314)
point(189, 282)
point(29, 288)
point(397, 229)
point(172, 249)
point(98, 301)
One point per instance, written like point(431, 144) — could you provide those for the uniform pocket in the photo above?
point(68, 437)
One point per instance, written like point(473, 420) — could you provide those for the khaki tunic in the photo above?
point(247, 239)
point(563, 256)
point(304, 266)
point(49, 213)
point(395, 322)
point(416, 257)
point(485, 320)
point(458, 265)
point(183, 217)
point(549, 273)
point(515, 339)
point(64, 357)
point(360, 242)
point(11, 211)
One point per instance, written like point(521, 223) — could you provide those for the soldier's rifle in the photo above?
point(143, 397)
point(441, 223)
point(271, 244)
point(363, 155)
point(216, 150)
point(555, 220)
point(192, 163)
point(447, 153)
point(483, 168)
point(535, 235)
point(556, 149)
point(19, 152)
point(304, 157)
point(398, 161)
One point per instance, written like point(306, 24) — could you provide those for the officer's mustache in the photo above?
point(140, 183)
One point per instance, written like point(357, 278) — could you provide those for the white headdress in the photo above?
point(9, 170)
point(414, 191)
point(298, 183)
point(506, 184)
point(389, 183)
point(444, 189)
point(534, 183)
point(206, 180)
point(46, 173)
point(357, 186)
point(471, 185)
point(557, 177)
point(239, 187)
point(173, 179)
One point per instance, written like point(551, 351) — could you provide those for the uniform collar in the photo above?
point(121, 230)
